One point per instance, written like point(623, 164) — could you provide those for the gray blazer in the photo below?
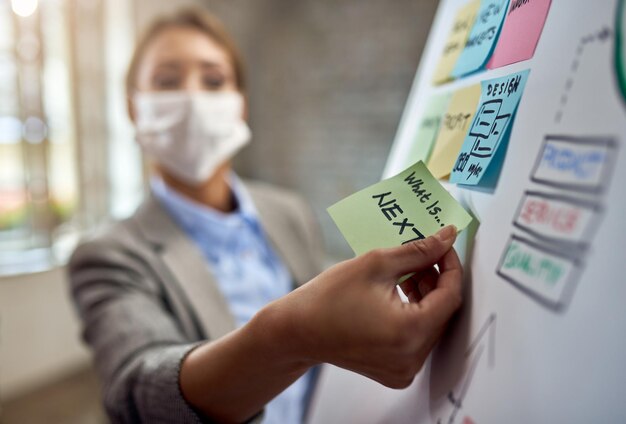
point(146, 297)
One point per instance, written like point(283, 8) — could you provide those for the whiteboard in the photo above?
point(515, 353)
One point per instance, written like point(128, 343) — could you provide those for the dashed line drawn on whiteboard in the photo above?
point(475, 353)
point(600, 36)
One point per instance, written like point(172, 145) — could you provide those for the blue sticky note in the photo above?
point(490, 178)
point(490, 128)
point(482, 39)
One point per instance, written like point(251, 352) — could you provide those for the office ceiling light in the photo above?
point(24, 8)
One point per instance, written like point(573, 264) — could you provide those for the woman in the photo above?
point(173, 298)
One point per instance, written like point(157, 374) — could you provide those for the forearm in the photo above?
point(233, 378)
point(350, 316)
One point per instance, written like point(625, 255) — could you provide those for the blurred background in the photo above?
point(327, 84)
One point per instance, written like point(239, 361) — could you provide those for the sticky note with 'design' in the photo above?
point(456, 121)
point(409, 206)
point(490, 127)
point(455, 43)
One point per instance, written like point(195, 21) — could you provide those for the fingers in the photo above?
point(428, 282)
point(416, 256)
point(420, 284)
point(438, 306)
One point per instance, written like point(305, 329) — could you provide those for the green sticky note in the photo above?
point(428, 129)
point(410, 206)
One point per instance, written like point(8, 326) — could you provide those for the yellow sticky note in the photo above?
point(455, 43)
point(454, 126)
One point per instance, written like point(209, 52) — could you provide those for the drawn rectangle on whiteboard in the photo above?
point(545, 275)
point(558, 219)
point(575, 163)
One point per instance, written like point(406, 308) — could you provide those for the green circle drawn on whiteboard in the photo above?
point(620, 47)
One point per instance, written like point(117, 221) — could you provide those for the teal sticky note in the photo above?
point(482, 39)
point(409, 206)
point(428, 129)
point(490, 128)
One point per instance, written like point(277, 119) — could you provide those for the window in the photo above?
point(67, 158)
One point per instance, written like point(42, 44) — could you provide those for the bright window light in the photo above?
point(24, 8)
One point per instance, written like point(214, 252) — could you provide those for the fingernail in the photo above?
point(446, 233)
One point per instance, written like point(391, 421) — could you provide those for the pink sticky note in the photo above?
point(520, 33)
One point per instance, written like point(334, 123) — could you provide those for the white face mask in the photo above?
point(190, 134)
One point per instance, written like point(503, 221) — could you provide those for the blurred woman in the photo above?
point(173, 298)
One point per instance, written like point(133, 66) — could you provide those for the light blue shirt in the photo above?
point(247, 270)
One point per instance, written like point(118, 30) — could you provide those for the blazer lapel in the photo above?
point(188, 267)
point(280, 236)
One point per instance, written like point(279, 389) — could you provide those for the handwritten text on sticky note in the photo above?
point(498, 104)
point(482, 38)
point(461, 27)
point(428, 129)
point(410, 206)
point(454, 127)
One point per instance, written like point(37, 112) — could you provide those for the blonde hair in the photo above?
point(194, 18)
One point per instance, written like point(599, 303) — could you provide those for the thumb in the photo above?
point(418, 255)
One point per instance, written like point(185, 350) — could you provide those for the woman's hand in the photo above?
point(351, 315)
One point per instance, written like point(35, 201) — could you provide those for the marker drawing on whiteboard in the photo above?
point(487, 330)
point(562, 225)
point(457, 400)
point(563, 221)
point(474, 353)
point(547, 275)
point(600, 37)
point(575, 163)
